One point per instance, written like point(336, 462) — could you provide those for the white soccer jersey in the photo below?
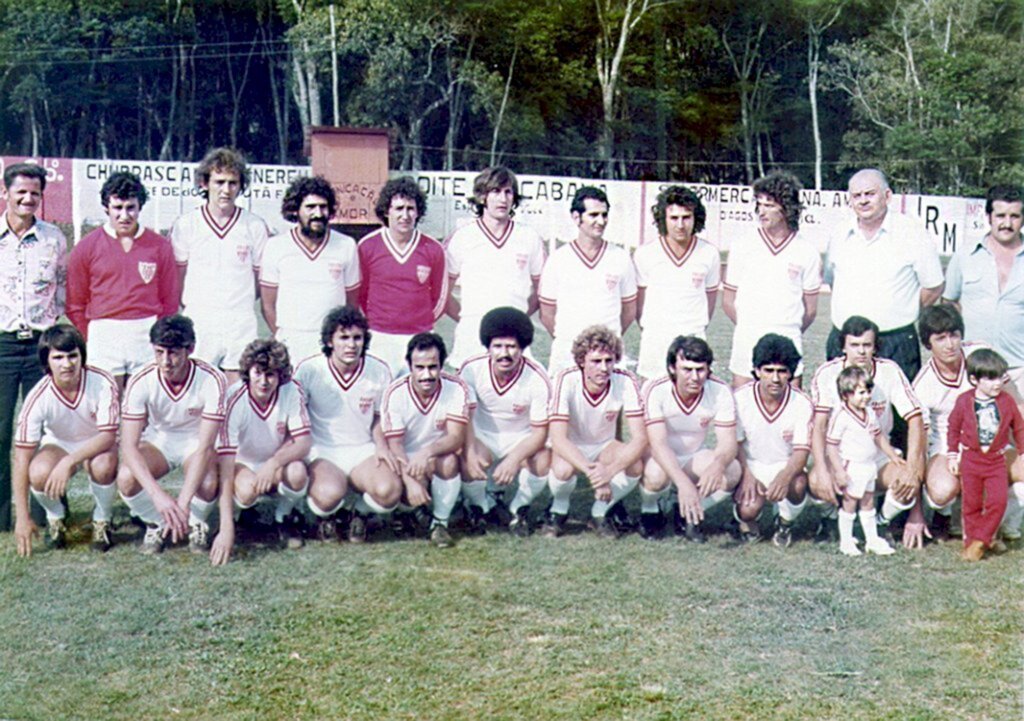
point(687, 423)
point(254, 433)
point(587, 291)
point(937, 394)
point(676, 288)
point(854, 434)
point(506, 411)
point(419, 423)
point(48, 413)
point(592, 419)
point(771, 438)
point(179, 413)
point(891, 389)
point(222, 261)
point(309, 283)
point(342, 408)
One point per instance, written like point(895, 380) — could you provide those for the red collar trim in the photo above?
point(683, 406)
point(185, 386)
point(516, 374)
point(346, 382)
point(776, 249)
point(312, 255)
point(63, 398)
point(759, 402)
point(678, 260)
point(422, 407)
point(583, 256)
point(221, 230)
point(397, 253)
point(497, 240)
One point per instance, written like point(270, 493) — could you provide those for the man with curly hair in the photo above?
point(308, 270)
point(404, 277)
point(773, 275)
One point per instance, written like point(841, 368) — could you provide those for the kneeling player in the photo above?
point(344, 387)
point(68, 419)
point(425, 417)
point(587, 403)
point(679, 408)
point(509, 398)
point(262, 445)
point(774, 428)
point(172, 413)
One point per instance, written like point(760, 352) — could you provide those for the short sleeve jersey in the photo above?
point(593, 419)
point(587, 291)
point(48, 412)
point(309, 283)
point(772, 437)
point(402, 290)
point(342, 407)
point(494, 271)
point(687, 422)
point(770, 281)
point(891, 389)
point(421, 422)
point(222, 261)
point(676, 288)
point(148, 397)
point(854, 433)
point(254, 433)
point(937, 395)
point(508, 409)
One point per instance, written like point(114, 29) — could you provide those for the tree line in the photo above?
point(717, 91)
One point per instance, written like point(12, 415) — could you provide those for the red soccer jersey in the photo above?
point(403, 290)
point(106, 282)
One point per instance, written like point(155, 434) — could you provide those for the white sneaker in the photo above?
point(879, 547)
point(199, 537)
point(849, 548)
point(153, 541)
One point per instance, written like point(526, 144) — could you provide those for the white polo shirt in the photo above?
point(179, 413)
point(419, 423)
point(687, 423)
point(48, 413)
point(676, 287)
point(771, 438)
point(342, 408)
point(593, 419)
point(855, 435)
point(504, 413)
point(254, 433)
point(891, 389)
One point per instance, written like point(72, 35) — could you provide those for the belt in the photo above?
point(25, 334)
point(905, 329)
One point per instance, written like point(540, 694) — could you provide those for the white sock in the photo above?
point(530, 487)
point(199, 510)
point(789, 511)
point(869, 525)
point(104, 497)
point(287, 499)
point(714, 499)
point(475, 493)
point(892, 507)
point(444, 494)
point(621, 485)
point(1014, 509)
point(561, 492)
point(322, 512)
point(846, 527)
point(366, 505)
point(649, 500)
point(141, 506)
point(53, 507)
point(946, 510)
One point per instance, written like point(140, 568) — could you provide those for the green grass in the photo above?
point(499, 628)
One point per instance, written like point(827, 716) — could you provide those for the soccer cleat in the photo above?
point(678, 522)
point(554, 525)
point(940, 528)
point(621, 519)
point(357, 528)
point(476, 521)
point(326, 530)
point(879, 547)
point(651, 525)
point(997, 547)
point(974, 551)
point(153, 541)
point(289, 532)
point(499, 515)
point(439, 536)
point(886, 532)
point(198, 537)
point(101, 540)
point(783, 536)
point(520, 523)
point(849, 548)
point(695, 533)
point(827, 531)
point(749, 532)
point(603, 527)
point(56, 533)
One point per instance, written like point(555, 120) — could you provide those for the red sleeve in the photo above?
point(956, 420)
point(170, 292)
point(364, 275)
point(78, 285)
point(1016, 425)
point(438, 282)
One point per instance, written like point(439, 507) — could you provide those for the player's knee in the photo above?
point(296, 475)
point(126, 483)
point(245, 494)
point(38, 472)
point(750, 511)
point(797, 488)
point(447, 466)
point(562, 470)
point(540, 463)
point(635, 468)
point(942, 491)
point(103, 468)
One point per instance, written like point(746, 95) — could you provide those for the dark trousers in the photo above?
point(19, 371)
point(984, 482)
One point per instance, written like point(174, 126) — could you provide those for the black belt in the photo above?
point(905, 329)
point(21, 335)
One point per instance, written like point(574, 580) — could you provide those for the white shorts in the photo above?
point(467, 341)
point(345, 458)
point(499, 444)
point(561, 356)
point(764, 473)
point(120, 347)
point(175, 447)
point(220, 341)
point(391, 348)
point(1017, 377)
point(744, 339)
point(654, 343)
point(68, 447)
point(862, 478)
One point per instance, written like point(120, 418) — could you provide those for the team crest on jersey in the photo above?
point(282, 428)
point(705, 421)
point(365, 404)
point(611, 280)
point(610, 415)
point(422, 273)
point(147, 271)
point(194, 412)
point(242, 251)
point(521, 260)
point(519, 409)
point(698, 280)
point(794, 271)
point(879, 407)
point(335, 269)
point(439, 424)
point(787, 435)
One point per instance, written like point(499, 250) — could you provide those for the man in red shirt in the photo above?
point(121, 279)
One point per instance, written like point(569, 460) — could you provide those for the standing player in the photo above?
point(586, 282)
point(404, 281)
point(678, 410)
point(495, 260)
point(344, 386)
point(263, 443)
point(172, 413)
point(425, 418)
point(773, 277)
point(218, 247)
point(587, 403)
point(70, 418)
point(121, 278)
point(775, 432)
point(509, 399)
point(309, 270)
point(677, 278)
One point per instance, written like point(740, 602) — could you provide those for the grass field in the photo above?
point(499, 628)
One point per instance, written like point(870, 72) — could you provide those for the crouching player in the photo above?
point(263, 442)
point(509, 397)
point(425, 415)
point(852, 444)
point(775, 431)
point(344, 387)
point(586, 406)
point(678, 410)
point(68, 419)
point(172, 412)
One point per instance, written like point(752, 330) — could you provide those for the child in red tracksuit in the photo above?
point(979, 430)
